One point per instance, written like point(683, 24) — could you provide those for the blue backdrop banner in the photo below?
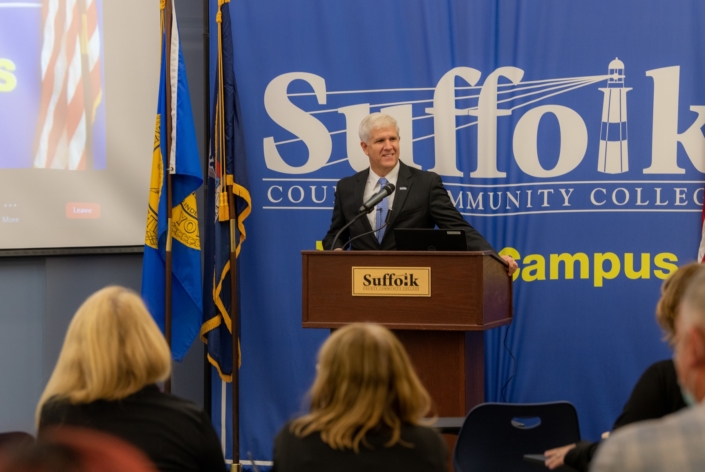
point(568, 133)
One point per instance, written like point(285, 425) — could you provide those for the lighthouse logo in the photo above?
point(614, 150)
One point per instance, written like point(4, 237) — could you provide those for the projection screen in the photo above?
point(78, 96)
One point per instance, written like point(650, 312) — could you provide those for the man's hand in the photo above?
point(513, 266)
point(555, 457)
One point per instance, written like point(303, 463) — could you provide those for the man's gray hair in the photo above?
point(375, 121)
point(694, 301)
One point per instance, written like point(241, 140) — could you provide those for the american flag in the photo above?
point(71, 84)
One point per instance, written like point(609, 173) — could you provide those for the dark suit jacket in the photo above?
point(421, 450)
point(176, 434)
point(420, 201)
point(655, 395)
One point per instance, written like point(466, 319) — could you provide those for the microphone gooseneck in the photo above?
point(366, 208)
point(386, 222)
point(347, 225)
point(383, 193)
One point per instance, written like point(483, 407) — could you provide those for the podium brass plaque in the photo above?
point(391, 281)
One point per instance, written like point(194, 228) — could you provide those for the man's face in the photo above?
point(382, 149)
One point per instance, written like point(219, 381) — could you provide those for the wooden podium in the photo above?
point(470, 292)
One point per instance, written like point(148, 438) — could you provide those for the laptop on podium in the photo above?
point(413, 239)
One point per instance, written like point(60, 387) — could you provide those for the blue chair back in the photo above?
point(496, 436)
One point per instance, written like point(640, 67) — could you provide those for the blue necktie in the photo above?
point(382, 209)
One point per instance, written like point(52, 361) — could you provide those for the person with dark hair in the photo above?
point(74, 450)
point(366, 411)
point(656, 393)
point(674, 442)
point(105, 379)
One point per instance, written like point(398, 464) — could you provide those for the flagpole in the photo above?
point(207, 368)
point(168, 13)
point(235, 321)
point(225, 166)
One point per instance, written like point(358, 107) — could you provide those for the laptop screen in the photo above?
point(411, 239)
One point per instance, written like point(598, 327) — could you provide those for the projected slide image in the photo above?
point(78, 99)
point(51, 85)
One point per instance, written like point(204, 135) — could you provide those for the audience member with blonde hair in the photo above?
point(105, 379)
point(656, 393)
point(366, 411)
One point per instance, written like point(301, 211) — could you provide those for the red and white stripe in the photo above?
point(93, 50)
point(70, 61)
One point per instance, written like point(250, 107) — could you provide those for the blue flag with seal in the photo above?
point(228, 204)
point(183, 164)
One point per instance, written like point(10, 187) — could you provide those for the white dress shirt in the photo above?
point(372, 186)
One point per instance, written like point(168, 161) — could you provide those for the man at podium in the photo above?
point(402, 197)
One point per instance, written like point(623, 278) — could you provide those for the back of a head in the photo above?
point(693, 302)
point(112, 349)
point(75, 450)
point(40, 457)
point(672, 292)
point(365, 381)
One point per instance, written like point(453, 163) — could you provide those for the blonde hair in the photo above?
point(112, 349)
point(672, 292)
point(365, 380)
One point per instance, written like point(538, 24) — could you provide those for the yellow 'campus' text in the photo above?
point(603, 265)
point(8, 81)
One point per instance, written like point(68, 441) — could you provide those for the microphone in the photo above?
point(384, 192)
point(366, 207)
point(386, 222)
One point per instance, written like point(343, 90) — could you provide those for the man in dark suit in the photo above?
point(419, 201)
